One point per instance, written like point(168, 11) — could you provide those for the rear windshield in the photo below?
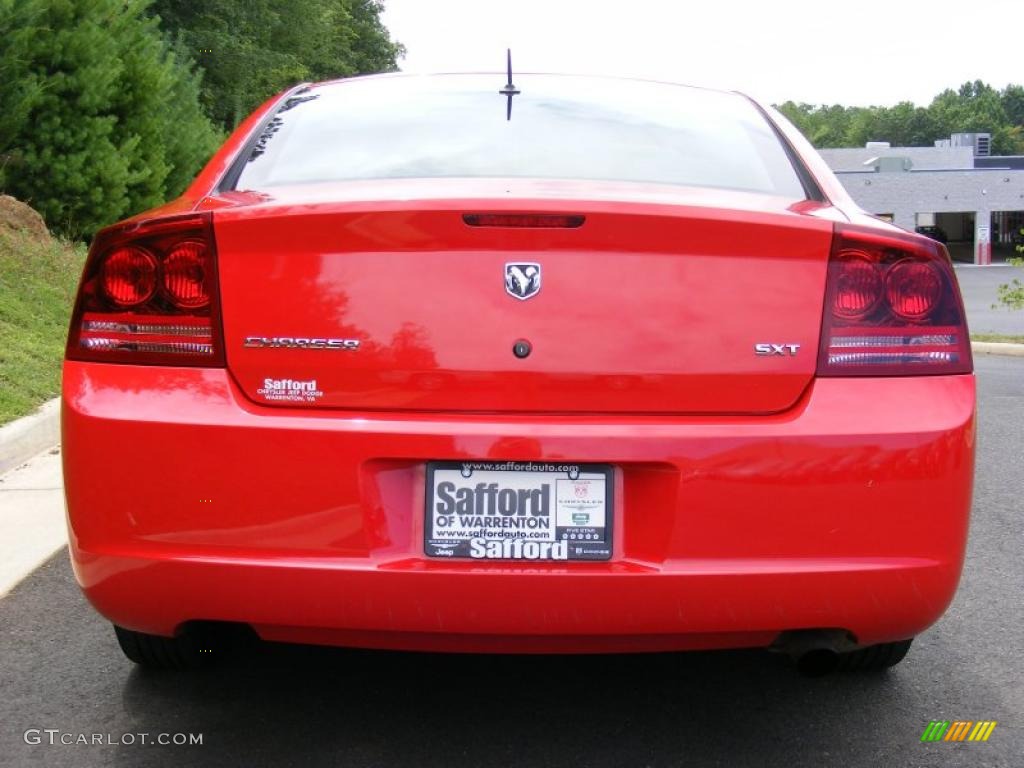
point(560, 128)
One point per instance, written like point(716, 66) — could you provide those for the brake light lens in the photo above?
point(859, 286)
point(524, 220)
point(149, 296)
point(914, 289)
point(128, 276)
point(185, 275)
point(892, 308)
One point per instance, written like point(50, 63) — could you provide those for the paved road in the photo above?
point(284, 706)
point(978, 286)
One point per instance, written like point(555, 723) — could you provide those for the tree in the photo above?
point(904, 125)
point(974, 107)
point(249, 51)
point(101, 116)
point(1012, 98)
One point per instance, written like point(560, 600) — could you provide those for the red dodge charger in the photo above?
point(571, 365)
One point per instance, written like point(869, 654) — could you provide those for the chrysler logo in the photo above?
point(522, 280)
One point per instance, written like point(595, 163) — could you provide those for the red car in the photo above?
point(574, 365)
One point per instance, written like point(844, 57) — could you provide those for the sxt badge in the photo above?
point(767, 348)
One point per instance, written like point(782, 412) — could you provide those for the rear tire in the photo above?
point(154, 651)
point(875, 657)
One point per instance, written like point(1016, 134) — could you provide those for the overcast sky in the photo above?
point(853, 53)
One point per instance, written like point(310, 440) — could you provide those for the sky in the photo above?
point(851, 53)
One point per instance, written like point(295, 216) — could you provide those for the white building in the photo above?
point(975, 199)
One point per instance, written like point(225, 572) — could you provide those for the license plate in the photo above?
point(518, 510)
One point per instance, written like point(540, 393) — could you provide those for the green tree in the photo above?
point(799, 115)
point(1012, 98)
point(973, 107)
point(905, 125)
point(863, 127)
point(101, 117)
point(250, 51)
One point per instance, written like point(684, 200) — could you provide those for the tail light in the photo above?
point(149, 296)
point(892, 308)
point(525, 220)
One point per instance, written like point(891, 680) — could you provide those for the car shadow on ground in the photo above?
point(385, 708)
point(281, 705)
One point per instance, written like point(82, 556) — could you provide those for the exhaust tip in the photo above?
point(816, 652)
point(817, 662)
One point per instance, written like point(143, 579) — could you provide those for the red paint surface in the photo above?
point(849, 511)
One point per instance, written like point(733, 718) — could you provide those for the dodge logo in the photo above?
point(522, 280)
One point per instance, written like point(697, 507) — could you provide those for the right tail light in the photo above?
point(892, 307)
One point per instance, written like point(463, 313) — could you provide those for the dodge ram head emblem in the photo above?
point(522, 280)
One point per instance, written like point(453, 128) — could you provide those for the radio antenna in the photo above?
point(509, 90)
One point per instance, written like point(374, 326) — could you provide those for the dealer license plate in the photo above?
point(518, 510)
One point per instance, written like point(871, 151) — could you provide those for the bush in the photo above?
point(1011, 294)
point(100, 115)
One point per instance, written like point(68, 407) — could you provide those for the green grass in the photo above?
point(37, 289)
point(1002, 338)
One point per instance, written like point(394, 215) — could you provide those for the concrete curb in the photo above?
point(24, 438)
point(997, 348)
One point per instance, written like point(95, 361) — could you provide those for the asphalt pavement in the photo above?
point(979, 286)
point(60, 671)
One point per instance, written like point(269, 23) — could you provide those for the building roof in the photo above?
point(921, 158)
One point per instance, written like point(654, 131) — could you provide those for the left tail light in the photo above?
point(149, 296)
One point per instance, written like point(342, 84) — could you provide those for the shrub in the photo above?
point(101, 116)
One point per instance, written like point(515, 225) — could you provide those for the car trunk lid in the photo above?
point(643, 307)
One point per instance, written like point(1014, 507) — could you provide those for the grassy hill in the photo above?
point(38, 278)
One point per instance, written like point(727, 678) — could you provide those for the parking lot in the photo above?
point(280, 705)
point(979, 286)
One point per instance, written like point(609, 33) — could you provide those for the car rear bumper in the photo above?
point(187, 502)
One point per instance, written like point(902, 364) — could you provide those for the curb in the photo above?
point(997, 348)
point(24, 438)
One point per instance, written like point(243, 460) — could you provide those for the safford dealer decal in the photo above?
point(290, 390)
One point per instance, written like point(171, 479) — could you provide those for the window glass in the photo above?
point(562, 127)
